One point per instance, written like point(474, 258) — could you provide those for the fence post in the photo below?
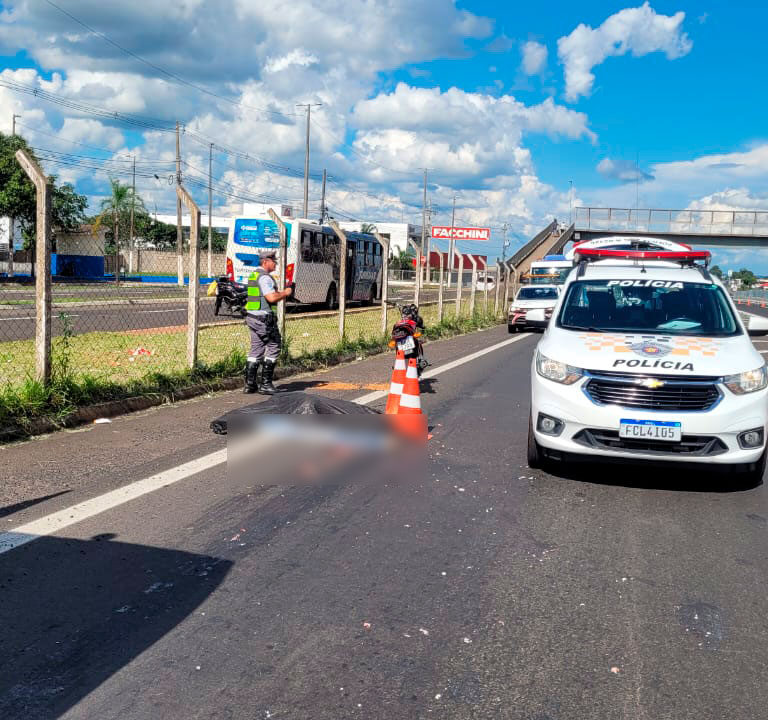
point(44, 192)
point(342, 276)
point(511, 280)
point(384, 279)
point(496, 288)
point(473, 288)
point(11, 238)
point(280, 266)
point(440, 290)
point(485, 275)
point(417, 274)
point(459, 282)
point(193, 303)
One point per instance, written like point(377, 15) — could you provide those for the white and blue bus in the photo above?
point(312, 260)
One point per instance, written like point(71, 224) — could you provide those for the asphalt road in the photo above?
point(104, 313)
point(490, 590)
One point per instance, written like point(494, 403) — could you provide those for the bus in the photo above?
point(551, 270)
point(312, 260)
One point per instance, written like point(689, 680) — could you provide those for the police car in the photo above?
point(528, 298)
point(647, 359)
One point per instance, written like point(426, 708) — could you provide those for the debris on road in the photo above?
point(101, 421)
point(367, 625)
point(615, 670)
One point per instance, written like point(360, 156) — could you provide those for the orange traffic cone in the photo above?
point(396, 385)
point(410, 402)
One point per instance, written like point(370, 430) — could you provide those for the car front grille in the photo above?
point(692, 445)
point(681, 394)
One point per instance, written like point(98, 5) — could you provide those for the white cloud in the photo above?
point(534, 57)
point(638, 31)
point(295, 57)
point(622, 170)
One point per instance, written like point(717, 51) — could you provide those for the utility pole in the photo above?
point(423, 236)
point(322, 198)
point(133, 210)
point(430, 211)
point(179, 231)
point(11, 219)
point(210, 206)
point(570, 202)
point(504, 242)
point(452, 243)
point(309, 107)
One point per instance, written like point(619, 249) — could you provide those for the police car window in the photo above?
point(537, 293)
point(650, 306)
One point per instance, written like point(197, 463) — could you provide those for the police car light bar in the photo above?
point(687, 257)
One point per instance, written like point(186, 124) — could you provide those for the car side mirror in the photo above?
point(757, 326)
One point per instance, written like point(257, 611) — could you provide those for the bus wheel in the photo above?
point(330, 298)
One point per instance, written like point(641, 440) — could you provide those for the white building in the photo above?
point(397, 233)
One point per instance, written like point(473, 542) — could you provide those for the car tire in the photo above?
point(511, 328)
point(535, 455)
point(331, 299)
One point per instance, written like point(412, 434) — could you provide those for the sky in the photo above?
point(519, 110)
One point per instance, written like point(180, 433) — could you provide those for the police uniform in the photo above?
point(265, 334)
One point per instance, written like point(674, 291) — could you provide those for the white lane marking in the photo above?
point(77, 513)
point(163, 311)
point(370, 397)
point(95, 506)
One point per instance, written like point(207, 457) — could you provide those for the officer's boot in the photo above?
point(268, 372)
point(251, 377)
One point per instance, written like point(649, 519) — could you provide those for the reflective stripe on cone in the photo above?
point(396, 385)
point(410, 401)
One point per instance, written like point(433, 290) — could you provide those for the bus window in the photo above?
point(306, 246)
point(317, 247)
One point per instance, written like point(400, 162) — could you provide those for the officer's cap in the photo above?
point(268, 255)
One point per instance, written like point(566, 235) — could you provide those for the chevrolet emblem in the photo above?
point(650, 383)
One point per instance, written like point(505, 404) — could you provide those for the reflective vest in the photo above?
point(257, 303)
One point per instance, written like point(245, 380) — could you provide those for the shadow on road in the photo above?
point(18, 507)
point(653, 477)
point(74, 612)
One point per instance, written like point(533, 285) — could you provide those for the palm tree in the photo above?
point(368, 228)
point(117, 208)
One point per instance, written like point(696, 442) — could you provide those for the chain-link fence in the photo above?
point(117, 329)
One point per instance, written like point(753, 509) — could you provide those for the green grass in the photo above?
point(100, 366)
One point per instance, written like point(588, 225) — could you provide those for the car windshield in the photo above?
point(537, 293)
point(648, 306)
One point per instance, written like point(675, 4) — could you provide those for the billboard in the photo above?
point(258, 233)
point(443, 232)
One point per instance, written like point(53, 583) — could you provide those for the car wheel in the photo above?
point(511, 328)
point(535, 456)
point(330, 298)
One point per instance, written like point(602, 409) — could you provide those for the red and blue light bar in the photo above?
point(679, 256)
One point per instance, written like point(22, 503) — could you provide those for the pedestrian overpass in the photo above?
point(713, 228)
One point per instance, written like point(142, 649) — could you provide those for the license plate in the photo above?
point(408, 344)
point(651, 430)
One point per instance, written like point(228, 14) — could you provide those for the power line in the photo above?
point(165, 72)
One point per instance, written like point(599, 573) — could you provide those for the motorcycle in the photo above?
point(406, 335)
point(232, 294)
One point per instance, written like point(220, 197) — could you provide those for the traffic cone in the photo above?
point(410, 402)
point(396, 385)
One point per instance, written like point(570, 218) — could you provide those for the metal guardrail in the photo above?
point(697, 222)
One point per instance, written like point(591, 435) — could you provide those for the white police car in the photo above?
point(647, 359)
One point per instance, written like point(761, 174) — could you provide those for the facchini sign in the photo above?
point(440, 232)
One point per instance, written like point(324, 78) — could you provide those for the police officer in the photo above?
point(261, 320)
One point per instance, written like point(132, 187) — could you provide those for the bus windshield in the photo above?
point(660, 307)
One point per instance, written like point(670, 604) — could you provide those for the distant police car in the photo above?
point(646, 358)
point(532, 297)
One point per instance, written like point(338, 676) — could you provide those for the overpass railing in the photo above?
point(531, 246)
point(696, 222)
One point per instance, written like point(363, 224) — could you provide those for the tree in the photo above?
point(716, 271)
point(402, 261)
point(747, 277)
point(19, 200)
point(159, 235)
point(116, 213)
point(368, 228)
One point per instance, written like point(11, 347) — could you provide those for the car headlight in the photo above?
point(747, 382)
point(556, 371)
